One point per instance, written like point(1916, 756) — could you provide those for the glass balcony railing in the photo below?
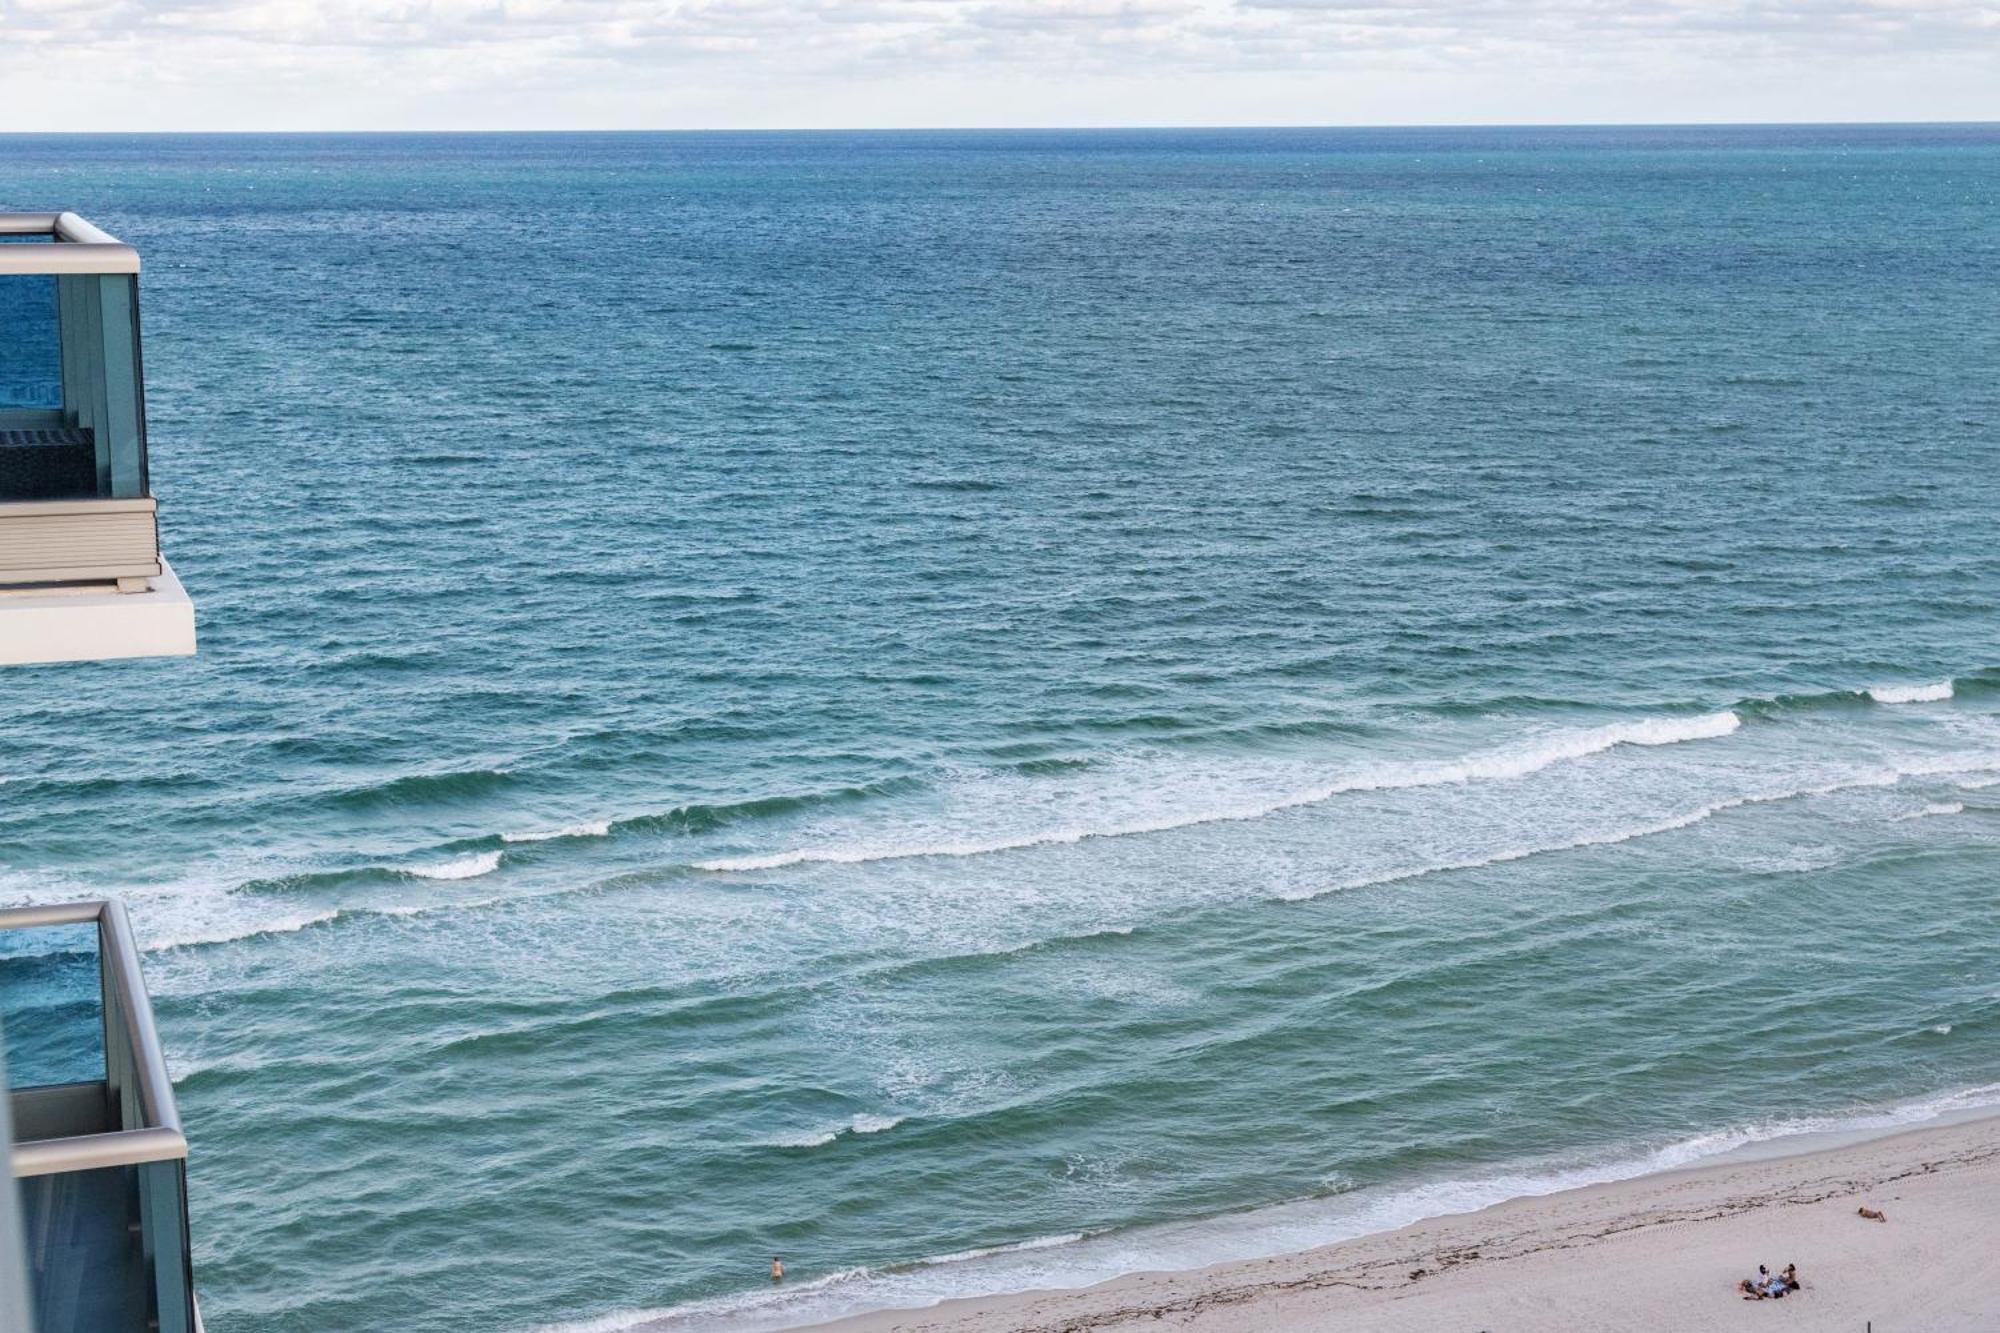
point(99, 1157)
point(75, 502)
point(30, 340)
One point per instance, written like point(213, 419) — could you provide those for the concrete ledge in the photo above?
point(96, 622)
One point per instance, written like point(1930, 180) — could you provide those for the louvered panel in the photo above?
point(66, 541)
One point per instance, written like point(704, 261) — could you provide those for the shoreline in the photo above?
point(1655, 1251)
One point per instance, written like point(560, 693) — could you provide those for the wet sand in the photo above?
point(1660, 1252)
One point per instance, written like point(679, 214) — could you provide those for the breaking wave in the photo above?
point(462, 867)
point(187, 934)
point(1910, 694)
point(1500, 764)
point(595, 829)
point(817, 1138)
point(424, 788)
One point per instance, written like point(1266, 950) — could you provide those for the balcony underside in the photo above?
point(95, 621)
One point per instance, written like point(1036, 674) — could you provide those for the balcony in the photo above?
point(81, 575)
point(99, 1156)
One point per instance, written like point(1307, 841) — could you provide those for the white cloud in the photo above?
point(519, 63)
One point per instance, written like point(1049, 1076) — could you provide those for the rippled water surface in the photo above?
point(979, 710)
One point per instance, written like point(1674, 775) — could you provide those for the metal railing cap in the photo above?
point(78, 247)
point(51, 914)
point(90, 1152)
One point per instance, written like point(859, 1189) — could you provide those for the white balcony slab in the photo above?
point(96, 622)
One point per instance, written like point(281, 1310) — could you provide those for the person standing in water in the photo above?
point(777, 1269)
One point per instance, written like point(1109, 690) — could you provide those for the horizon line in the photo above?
point(1161, 128)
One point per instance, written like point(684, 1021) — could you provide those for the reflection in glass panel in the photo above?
point(51, 1005)
point(30, 346)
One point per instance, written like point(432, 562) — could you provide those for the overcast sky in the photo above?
point(558, 64)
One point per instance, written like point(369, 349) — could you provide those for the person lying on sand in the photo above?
point(1874, 1214)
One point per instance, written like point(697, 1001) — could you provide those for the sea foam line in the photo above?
point(1910, 694)
point(1083, 1258)
point(1500, 764)
point(1934, 808)
point(463, 867)
point(1971, 771)
point(800, 1293)
point(598, 828)
point(1673, 823)
point(228, 932)
point(185, 933)
point(860, 1124)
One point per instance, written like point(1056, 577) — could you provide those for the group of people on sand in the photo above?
point(1767, 1286)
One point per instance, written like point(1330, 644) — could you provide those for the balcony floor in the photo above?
point(82, 1255)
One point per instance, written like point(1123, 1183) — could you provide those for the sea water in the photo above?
point(985, 710)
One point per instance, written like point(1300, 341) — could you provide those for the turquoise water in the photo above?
point(985, 710)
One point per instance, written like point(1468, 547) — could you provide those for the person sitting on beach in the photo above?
point(1769, 1286)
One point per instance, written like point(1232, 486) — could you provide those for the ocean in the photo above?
point(980, 710)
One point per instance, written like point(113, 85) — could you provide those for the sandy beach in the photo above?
point(1658, 1252)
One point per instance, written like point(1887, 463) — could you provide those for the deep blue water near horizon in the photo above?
point(987, 709)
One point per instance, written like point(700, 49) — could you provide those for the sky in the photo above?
point(700, 64)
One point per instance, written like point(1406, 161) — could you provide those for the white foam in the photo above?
point(465, 867)
point(1018, 1247)
point(1978, 784)
point(720, 1307)
point(595, 829)
point(1887, 777)
point(174, 914)
point(1910, 694)
point(1934, 808)
point(186, 929)
point(758, 1309)
point(819, 1138)
point(1500, 764)
point(1609, 838)
point(1477, 825)
point(183, 934)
